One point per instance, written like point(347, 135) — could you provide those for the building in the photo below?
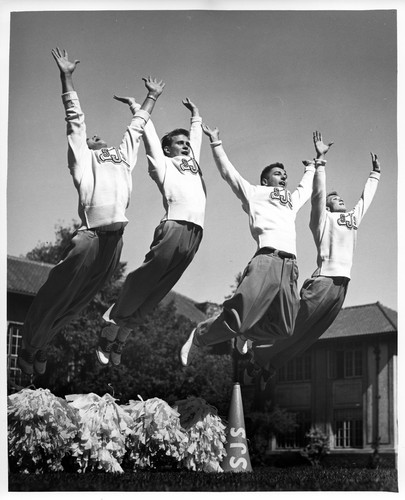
point(345, 384)
point(24, 279)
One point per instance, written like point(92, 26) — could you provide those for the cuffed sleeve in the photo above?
point(141, 113)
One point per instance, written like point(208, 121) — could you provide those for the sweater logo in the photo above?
point(190, 165)
point(283, 196)
point(110, 155)
point(349, 220)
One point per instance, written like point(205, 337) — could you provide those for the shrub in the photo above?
point(104, 427)
point(157, 439)
point(41, 430)
point(206, 435)
point(317, 447)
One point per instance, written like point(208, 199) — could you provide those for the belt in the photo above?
point(274, 251)
point(340, 280)
point(99, 232)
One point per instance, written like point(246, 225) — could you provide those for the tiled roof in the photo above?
point(366, 319)
point(26, 276)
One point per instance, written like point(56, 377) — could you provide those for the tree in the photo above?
point(238, 279)
point(52, 252)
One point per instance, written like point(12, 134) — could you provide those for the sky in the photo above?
point(266, 77)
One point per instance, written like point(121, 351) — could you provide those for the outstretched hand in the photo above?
point(189, 105)
point(61, 58)
point(126, 100)
point(154, 87)
point(375, 162)
point(320, 148)
point(213, 134)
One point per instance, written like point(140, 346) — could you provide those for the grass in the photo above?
point(261, 479)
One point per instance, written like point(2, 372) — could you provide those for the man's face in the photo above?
point(180, 146)
point(276, 177)
point(334, 203)
point(96, 143)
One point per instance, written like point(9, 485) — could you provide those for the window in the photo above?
point(13, 344)
point(346, 361)
point(296, 438)
point(348, 428)
point(296, 369)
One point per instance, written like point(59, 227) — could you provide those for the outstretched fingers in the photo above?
point(206, 129)
point(154, 85)
point(188, 103)
point(123, 99)
point(375, 162)
point(317, 136)
point(149, 79)
point(62, 59)
point(213, 133)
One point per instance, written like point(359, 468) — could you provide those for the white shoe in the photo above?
point(103, 350)
point(189, 350)
point(241, 345)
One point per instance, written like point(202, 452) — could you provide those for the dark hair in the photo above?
point(167, 138)
point(332, 193)
point(267, 169)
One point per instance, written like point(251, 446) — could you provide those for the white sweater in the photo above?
point(102, 177)
point(272, 211)
point(335, 233)
point(179, 179)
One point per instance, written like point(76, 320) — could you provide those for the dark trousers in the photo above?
point(322, 298)
point(87, 264)
point(173, 248)
point(268, 286)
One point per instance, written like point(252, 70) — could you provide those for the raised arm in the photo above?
point(140, 125)
point(318, 198)
point(66, 69)
point(228, 172)
point(369, 190)
point(305, 188)
point(195, 128)
point(75, 122)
